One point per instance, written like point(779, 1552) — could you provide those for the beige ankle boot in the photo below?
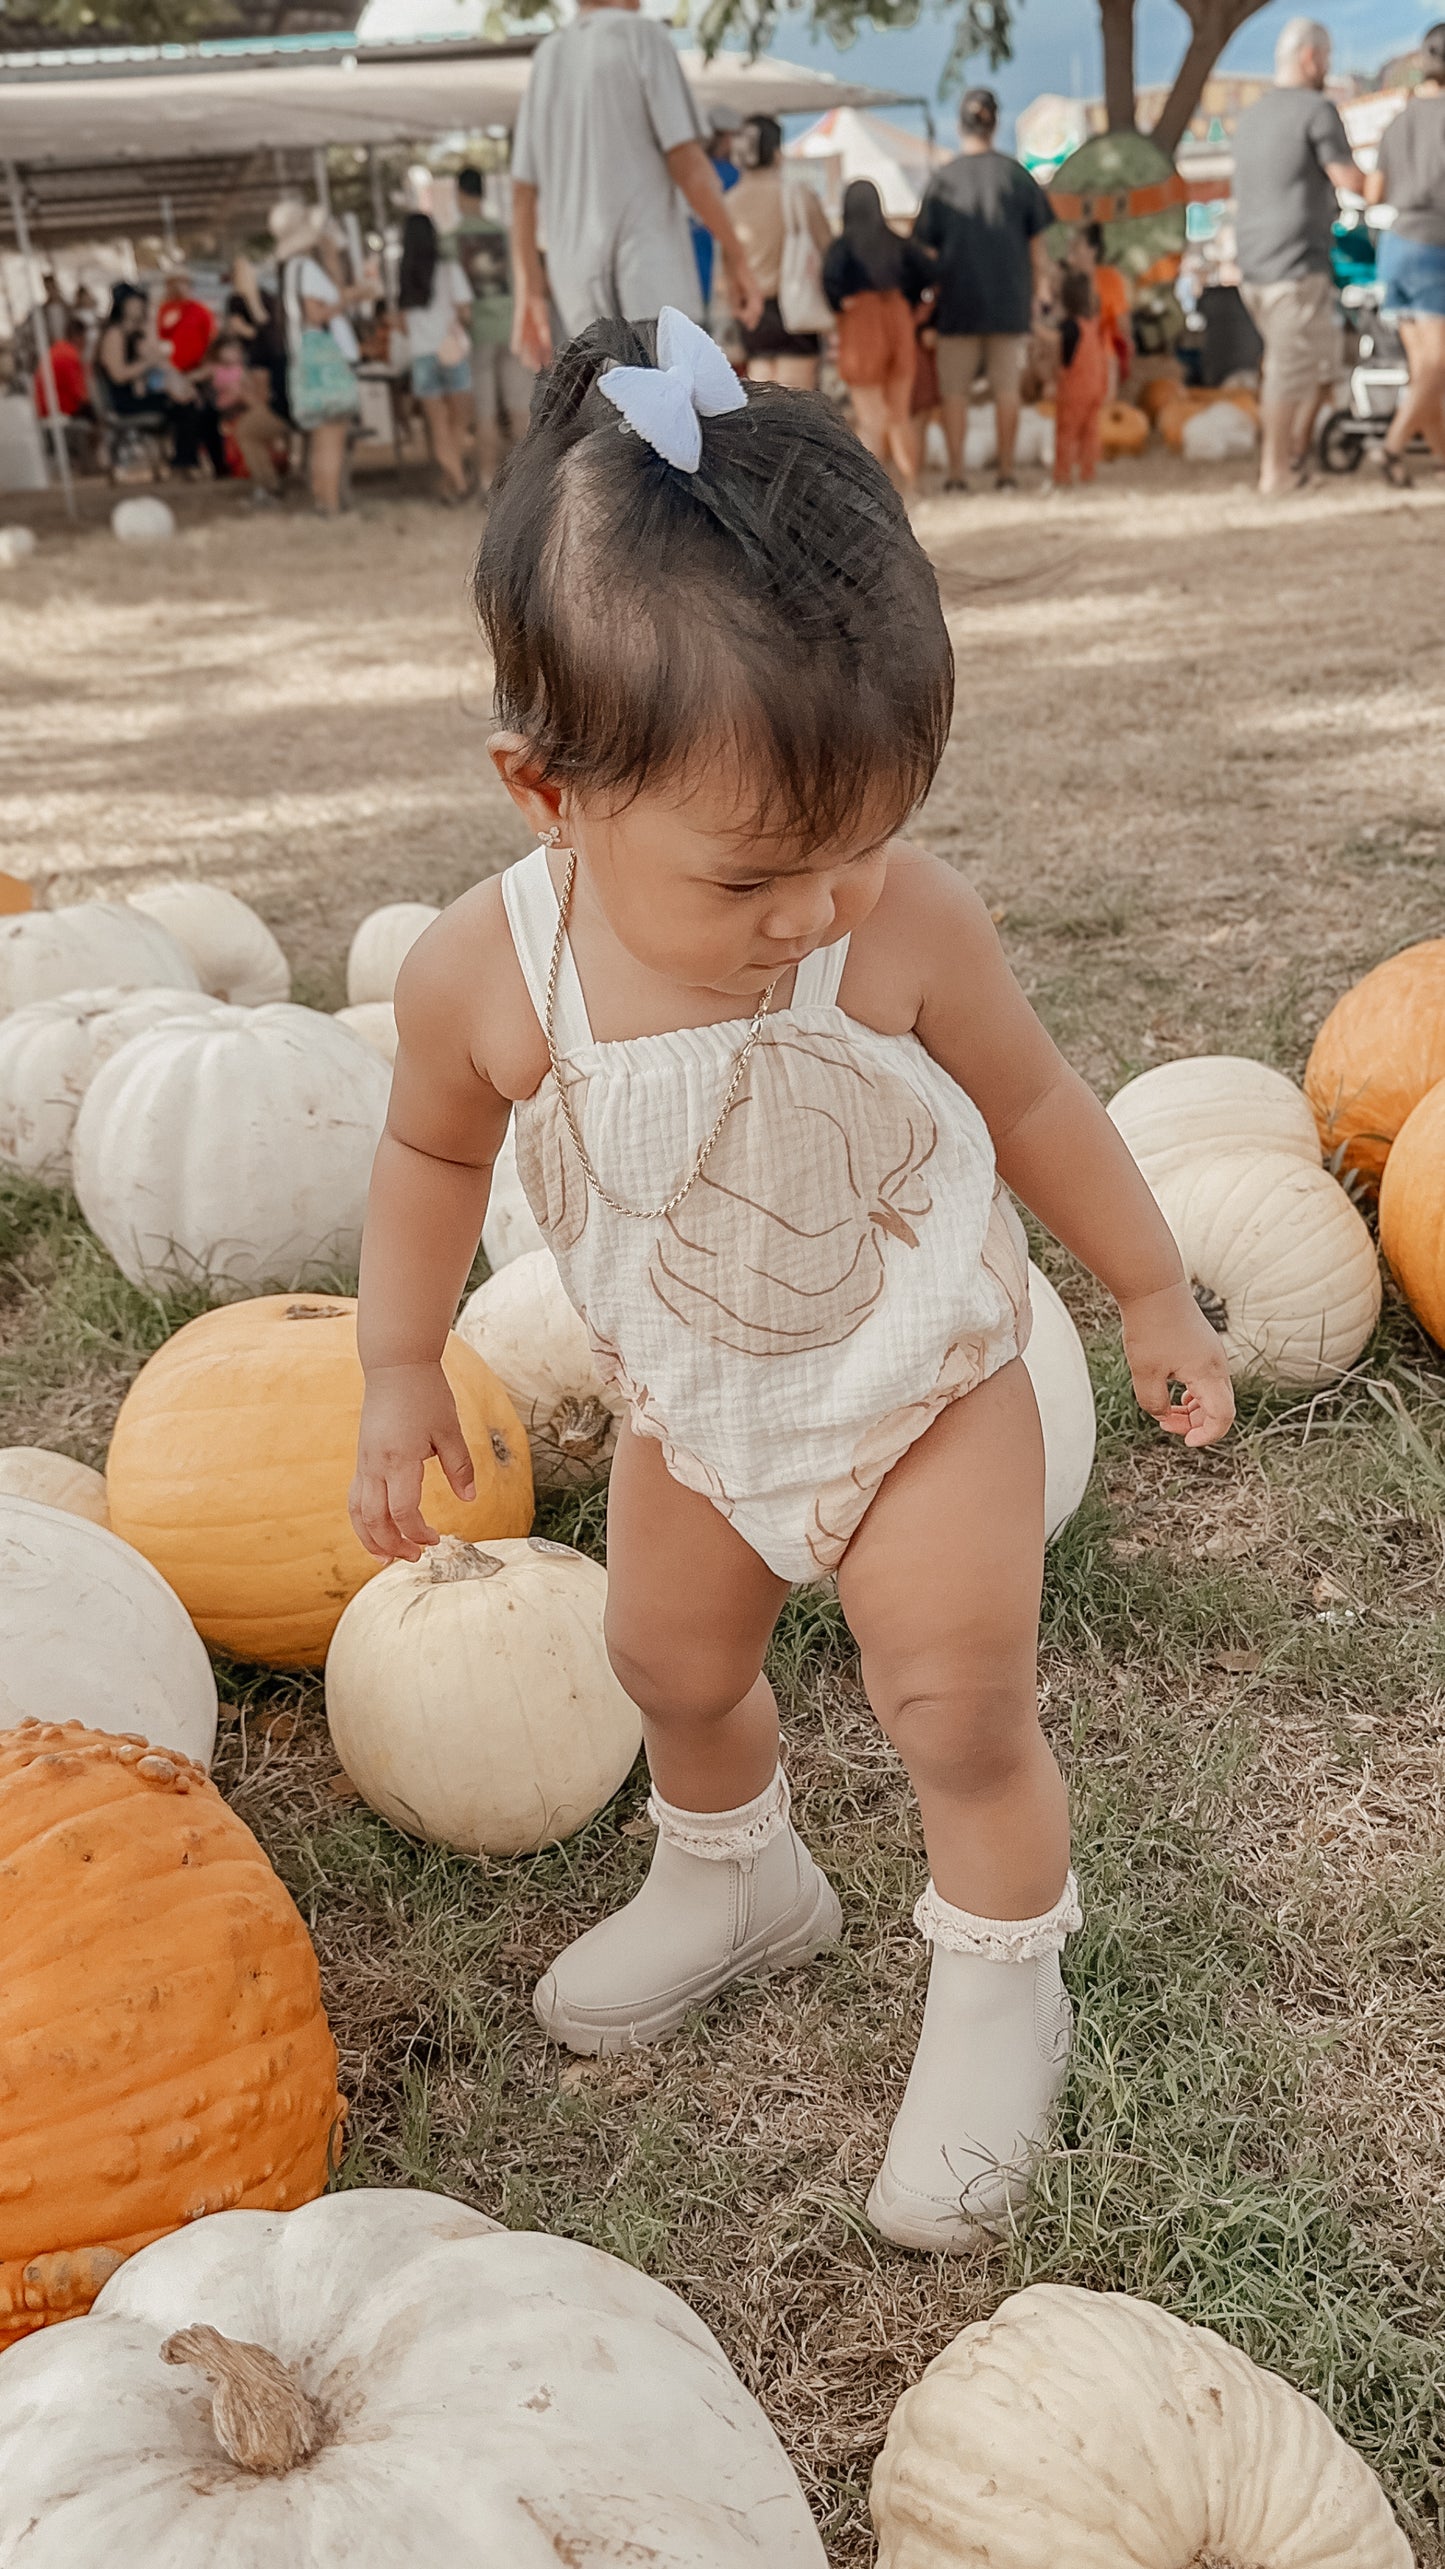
point(730, 1893)
point(991, 2060)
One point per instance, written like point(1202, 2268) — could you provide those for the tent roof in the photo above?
point(98, 144)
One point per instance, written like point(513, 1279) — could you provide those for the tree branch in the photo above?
point(1116, 19)
point(1213, 23)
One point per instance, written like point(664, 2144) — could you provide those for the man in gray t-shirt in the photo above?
point(606, 159)
point(1291, 153)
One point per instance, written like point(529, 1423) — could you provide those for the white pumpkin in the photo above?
point(523, 1324)
point(1279, 1260)
point(374, 1020)
point(49, 1053)
point(471, 1699)
point(234, 953)
point(234, 1148)
point(1059, 1371)
point(142, 521)
point(33, 1472)
point(90, 1632)
point(96, 945)
point(1080, 2430)
point(380, 947)
point(17, 543)
point(1212, 1102)
point(386, 2377)
point(511, 1229)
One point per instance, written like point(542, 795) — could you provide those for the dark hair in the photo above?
point(1432, 51)
point(978, 111)
point(1078, 294)
point(123, 295)
point(469, 181)
point(418, 262)
point(878, 251)
point(1093, 233)
point(767, 140)
point(774, 605)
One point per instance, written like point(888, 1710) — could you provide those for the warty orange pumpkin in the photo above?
point(1380, 1050)
point(233, 1453)
point(1412, 1211)
point(163, 2049)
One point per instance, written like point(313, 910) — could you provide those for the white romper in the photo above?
point(844, 1267)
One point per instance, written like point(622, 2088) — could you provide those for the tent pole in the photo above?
point(323, 180)
point(378, 200)
point(54, 422)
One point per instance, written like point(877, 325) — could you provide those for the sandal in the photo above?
point(1395, 469)
point(950, 486)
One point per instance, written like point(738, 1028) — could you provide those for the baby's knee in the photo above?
point(964, 1734)
point(681, 1684)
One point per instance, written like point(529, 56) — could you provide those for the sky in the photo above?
point(1056, 42)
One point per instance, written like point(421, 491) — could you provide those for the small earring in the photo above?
point(551, 836)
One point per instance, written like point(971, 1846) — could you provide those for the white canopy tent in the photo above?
point(845, 144)
point(101, 147)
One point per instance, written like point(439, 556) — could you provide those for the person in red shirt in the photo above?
point(72, 387)
point(185, 329)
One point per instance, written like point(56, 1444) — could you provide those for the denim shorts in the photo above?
point(1413, 276)
point(430, 377)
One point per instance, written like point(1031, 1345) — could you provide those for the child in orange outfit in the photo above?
point(1083, 380)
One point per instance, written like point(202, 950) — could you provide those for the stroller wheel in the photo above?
point(1342, 447)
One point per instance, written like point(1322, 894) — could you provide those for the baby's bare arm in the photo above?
point(1056, 1147)
point(429, 1189)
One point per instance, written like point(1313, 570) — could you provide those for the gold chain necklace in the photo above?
point(633, 1212)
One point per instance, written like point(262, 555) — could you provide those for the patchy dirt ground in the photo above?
point(1197, 771)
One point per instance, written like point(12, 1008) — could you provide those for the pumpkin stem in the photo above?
point(582, 1426)
point(263, 2419)
point(453, 1559)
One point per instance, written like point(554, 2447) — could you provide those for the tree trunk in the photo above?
point(1213, 22)
point(1117, 22)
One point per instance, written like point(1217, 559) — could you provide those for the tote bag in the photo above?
point(802, 304)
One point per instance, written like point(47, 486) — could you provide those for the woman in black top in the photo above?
point(127, 355)
point(1410, 175)
point(874, 281)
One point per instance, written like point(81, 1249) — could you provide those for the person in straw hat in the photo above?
point(321, 344)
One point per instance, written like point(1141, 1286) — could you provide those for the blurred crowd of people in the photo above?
point(623, 199)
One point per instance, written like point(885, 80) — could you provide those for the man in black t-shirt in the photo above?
point(984, 218)
point(1291, 153)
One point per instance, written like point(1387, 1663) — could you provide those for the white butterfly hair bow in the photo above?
point(667, 403)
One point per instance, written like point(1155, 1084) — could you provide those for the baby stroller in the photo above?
point(1377, 379)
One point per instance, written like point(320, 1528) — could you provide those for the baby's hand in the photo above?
point(1168, 1340)
point(407, 1416)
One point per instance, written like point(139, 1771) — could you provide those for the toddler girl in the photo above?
point(228, 376)
point(1083, 380)
point(770, 1075)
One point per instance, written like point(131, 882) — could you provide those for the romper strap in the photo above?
point(819, 976)
point(532, 914)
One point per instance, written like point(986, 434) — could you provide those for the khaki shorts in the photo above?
point(1298, 323)
point(998, 353)
point(501, 387)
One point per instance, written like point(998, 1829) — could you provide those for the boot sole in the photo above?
point(823, 1926)
point(899, 2217)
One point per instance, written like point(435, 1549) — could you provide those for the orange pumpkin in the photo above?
point(1123, 430)
point(1170, 420)
point(15, 894)
point(1412, 1211)
point(1158, 392)
point(233, 1454)
point(1380, 1050)
point(163, 2049)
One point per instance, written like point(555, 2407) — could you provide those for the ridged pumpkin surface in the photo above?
point(1380, 1050)
point(1412, 1211)
point(233, 1454)
point(163, 2049)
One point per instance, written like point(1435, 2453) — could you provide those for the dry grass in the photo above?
point(1196, 767)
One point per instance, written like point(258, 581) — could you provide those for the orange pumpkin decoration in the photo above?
point(1380, 1050)
point(15, 894)
point(163, 2049)
point(233, 1454)
point(1412, 1211)
point(1123, 430)
point(1158, 392)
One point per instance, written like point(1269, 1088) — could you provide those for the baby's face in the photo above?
point(703, 904)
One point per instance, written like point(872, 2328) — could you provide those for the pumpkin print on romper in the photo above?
point(766, 1279)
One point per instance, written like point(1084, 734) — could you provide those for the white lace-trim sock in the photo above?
point(957, 1931)
point(723, 1837)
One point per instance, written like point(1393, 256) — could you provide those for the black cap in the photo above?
point(978, 111)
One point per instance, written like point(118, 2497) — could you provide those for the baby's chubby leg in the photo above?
point(732, 1889)
point(941, 1587)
